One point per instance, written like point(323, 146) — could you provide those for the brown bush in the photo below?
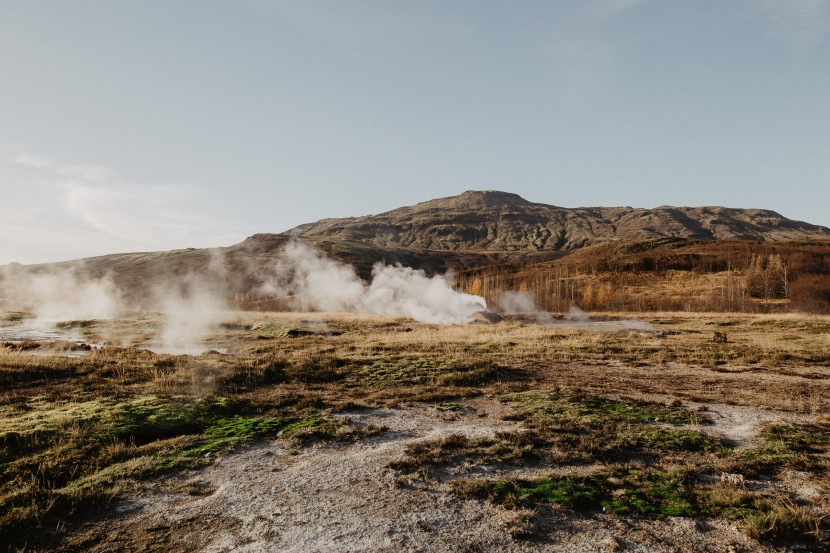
point(811, 293)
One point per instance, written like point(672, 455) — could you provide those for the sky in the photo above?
point(144, 125)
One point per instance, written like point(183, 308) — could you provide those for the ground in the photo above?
point(324, 432)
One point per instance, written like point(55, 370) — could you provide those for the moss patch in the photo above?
point(656, 494)
point(623, 491)
point(793, 446)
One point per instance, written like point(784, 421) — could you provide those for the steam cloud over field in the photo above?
point(192, 303)
point(57, 295)
point(314, 282)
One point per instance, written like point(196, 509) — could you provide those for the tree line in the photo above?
point(671, 275)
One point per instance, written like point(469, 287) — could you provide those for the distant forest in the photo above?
point(671, 275)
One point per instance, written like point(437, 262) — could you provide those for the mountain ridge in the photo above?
point(473, 231)
point(469, 230)
point(502, 221)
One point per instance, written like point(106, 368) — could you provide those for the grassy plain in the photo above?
point(636, 423)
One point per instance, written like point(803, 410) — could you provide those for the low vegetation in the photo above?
point(656, 493)
point(800, 447)
point(637, 464)
point(79, 457)
point(608, 421)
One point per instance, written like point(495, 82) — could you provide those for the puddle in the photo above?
point(23, 334)
point(67, 342)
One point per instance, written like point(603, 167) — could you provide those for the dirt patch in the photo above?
point(269, 498)
point(739, 425)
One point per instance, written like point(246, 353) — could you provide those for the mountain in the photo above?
point(461, 233)
point(491, 221)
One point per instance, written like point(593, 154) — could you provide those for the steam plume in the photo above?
point(523, 303)
point(576, 315)
point(313, 281)
point(192, 303)
point(191, 306)
point(57, 295)
point(515, 303)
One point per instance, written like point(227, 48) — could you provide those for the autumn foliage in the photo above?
point(672, 274)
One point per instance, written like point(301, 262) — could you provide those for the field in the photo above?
point(332, 432)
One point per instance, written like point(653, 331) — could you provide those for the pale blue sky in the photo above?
point(141, 125)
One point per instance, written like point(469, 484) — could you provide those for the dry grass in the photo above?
point(67, 447)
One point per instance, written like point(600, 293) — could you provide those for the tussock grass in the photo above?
point(590, 428)
point(76, 431)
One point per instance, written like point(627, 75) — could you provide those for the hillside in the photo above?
point(504, 222)
point(499, 231)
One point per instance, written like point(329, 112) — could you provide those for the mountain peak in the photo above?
point(493, 195)
point(489, 198)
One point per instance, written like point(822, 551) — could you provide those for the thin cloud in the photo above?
point(93, 173)
point(145, 215)
point(91, 214)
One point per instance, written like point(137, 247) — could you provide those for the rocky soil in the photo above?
point(345, 498)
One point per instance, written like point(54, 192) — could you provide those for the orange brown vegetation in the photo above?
point(672, 274)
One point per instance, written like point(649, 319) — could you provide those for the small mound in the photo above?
point(484, 317)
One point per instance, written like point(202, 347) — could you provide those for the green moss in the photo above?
point(580, 492)
point(623, 491)
point(246, 428)
point(666, 439)
point(312, 421)
point(655, 494)
point(457, 449)
point(155, 418)
point(579, 429)
point(592, 428)
point(811, 438)
point(226, 433)
point(794, 446)
point(318, 429)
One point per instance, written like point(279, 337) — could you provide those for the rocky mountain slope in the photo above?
point(505, 222)
point(471, 230)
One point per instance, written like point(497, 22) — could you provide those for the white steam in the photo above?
point(304, 278)
point(397, 290)
point(57, 295)
point(314, 282)
point(193, 303)
point(190, 314)
point(577, 315)
point(189, 304)
point(522, 303)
